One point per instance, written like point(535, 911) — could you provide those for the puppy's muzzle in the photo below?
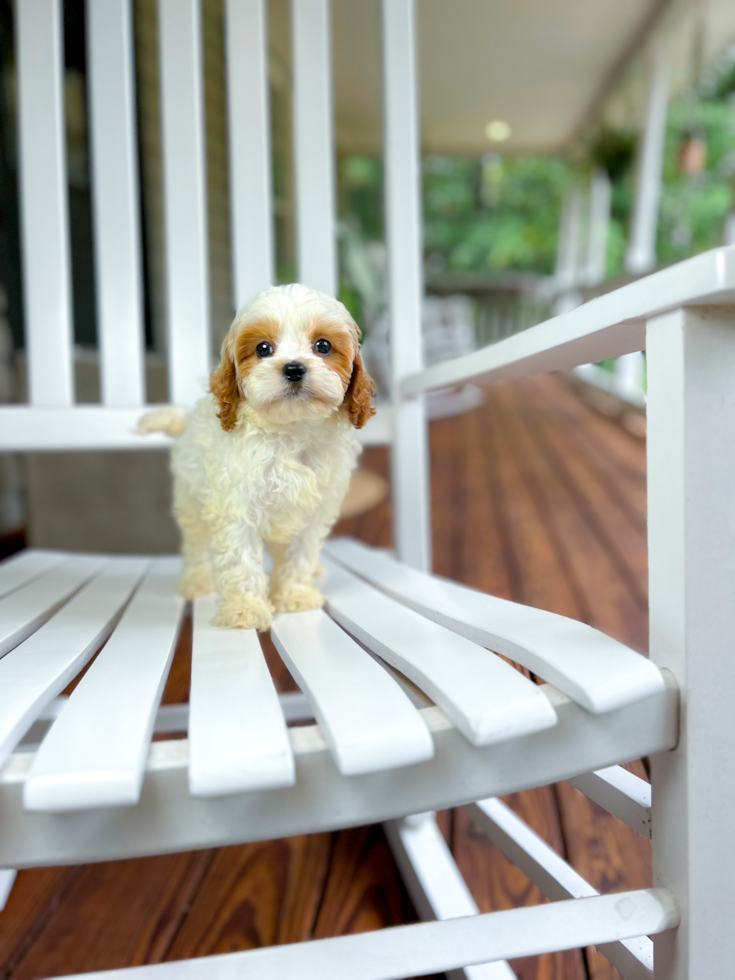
point(294, 371)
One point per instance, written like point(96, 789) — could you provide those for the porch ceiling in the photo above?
point(539, 65)
point(544, 66)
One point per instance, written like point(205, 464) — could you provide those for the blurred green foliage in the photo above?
point(694, 206)
point(502, 212)
point(495, 214)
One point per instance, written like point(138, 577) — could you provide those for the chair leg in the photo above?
point(691, 494)
point(435, 884)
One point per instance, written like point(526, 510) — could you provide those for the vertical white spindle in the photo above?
point(641, 253)
point(249, 146)
point(316, 251)
point(116, 207)
point(409, 461)
point(184, 189)
point(691, 522)
point(44, 202)
point(599, 227)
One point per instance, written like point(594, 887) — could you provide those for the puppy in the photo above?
point(264, 460)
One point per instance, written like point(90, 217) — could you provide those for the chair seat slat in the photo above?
point(95, 753)
point(367, 720)
point(238, 738)
point(487, 699)
point(27, 565)
point(596, 671)
point(33, 673)
point(27, 608)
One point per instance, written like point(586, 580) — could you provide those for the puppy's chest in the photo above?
point(291, 476)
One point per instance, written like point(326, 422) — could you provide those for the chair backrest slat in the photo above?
point(184, 184)
point(44, 210)
point(316, 251)
point(249, 146)
point(409, 459)
point(116, 208)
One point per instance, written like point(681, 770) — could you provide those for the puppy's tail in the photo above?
point(168, 419)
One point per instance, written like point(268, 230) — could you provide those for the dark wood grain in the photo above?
point(255, 895)
point(113, 914)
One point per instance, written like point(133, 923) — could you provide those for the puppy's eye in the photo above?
point(264, 350)
point(322, 346)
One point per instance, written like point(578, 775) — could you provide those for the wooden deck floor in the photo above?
point(535, 498)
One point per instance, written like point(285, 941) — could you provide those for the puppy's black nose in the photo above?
point(294, 371)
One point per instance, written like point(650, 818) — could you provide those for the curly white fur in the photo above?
point(275, 475)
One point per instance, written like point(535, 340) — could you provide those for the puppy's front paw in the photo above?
point(297, 599)
point(195, 582)
point(244, 612)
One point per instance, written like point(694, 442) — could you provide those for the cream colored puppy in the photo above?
point(264, 460)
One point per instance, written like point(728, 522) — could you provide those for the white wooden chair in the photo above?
point(81, 780)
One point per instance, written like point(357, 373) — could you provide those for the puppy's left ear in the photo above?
point(359, 394)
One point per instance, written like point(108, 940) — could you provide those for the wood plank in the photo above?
point(362, 891)
point(255, 895)
point(620, 537)
point(121, 912)
point(35, 895)
point(585, 560)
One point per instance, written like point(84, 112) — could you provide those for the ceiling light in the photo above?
point(498, 130)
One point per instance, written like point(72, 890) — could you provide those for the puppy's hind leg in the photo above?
point(196, 576)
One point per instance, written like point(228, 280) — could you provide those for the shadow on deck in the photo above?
point(535, 498)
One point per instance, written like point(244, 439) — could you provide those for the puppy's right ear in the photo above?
point(223, 385)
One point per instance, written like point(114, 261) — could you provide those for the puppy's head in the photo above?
point(292, 354)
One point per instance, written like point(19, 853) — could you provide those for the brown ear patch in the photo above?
point(359, 394)
point(223, 385)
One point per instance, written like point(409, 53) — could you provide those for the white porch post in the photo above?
point(691, 488)
point(409, 456)
point(570, 250)
point(641, 253)
point(599, 227)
